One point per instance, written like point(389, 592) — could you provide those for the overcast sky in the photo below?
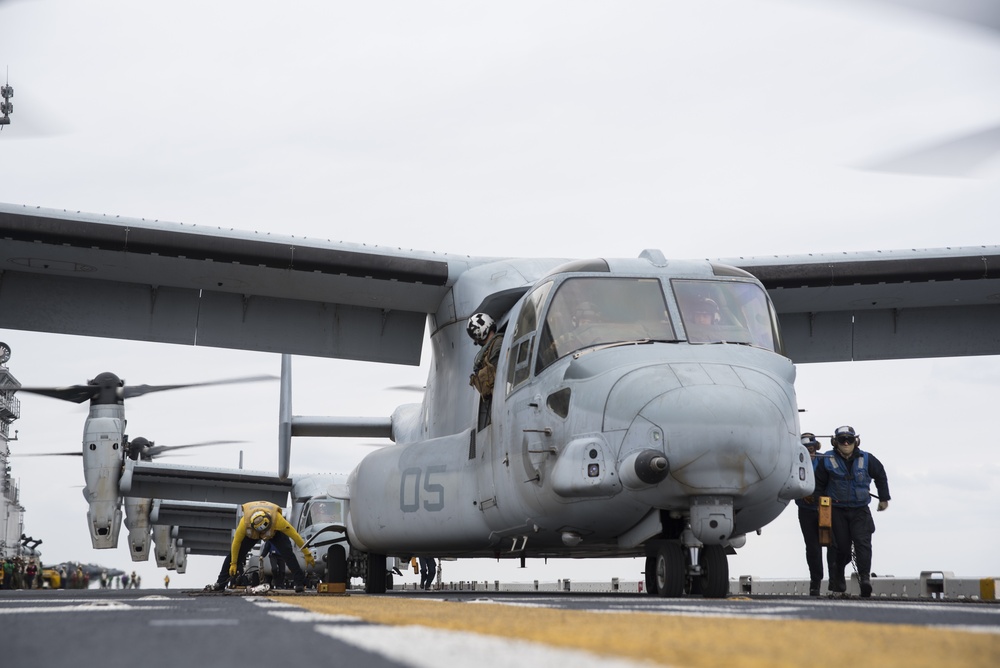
point(550, 129)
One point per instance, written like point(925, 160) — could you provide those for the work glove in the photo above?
point(232, 570)
point(882, 505)
point(307, 553)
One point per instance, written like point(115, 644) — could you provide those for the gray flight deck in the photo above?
point(156, 628)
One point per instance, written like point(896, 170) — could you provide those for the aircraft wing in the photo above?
point(215, 516)
point(94, 275)
point(202, 484)
point(201, 528)
point(86, 274)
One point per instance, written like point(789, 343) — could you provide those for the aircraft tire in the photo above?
point(336, 565)
point(375, 577)
point(651, 575)
point(714, 579)
point(669, 574)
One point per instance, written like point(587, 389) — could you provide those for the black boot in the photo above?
point(814, 587)
point(866, 588)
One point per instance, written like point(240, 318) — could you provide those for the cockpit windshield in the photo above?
point(323, 511)
point(726, 312)
point(591, 311)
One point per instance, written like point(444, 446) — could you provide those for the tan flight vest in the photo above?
point(485, 376)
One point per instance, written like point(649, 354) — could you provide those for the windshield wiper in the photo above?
point(617, 344)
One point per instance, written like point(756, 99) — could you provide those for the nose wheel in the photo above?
point(665, 570)
point(711, 578)
point(669, 573)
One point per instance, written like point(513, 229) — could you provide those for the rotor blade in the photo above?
point(158, 450)
point(980, 13)
point(408, 388)
point(138, 390)
point(75, 393)
point(47, 454)
point(959, 156)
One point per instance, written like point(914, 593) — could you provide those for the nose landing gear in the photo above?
point(686, 566)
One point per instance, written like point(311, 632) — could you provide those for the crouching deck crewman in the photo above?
point(262, 520)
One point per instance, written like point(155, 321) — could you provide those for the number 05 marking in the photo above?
point(411, 493)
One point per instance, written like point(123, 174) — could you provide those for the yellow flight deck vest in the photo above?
point(273, 512)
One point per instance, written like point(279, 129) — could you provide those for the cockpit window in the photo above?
point(591, 311)
point(523, 337)
point(323, 511)
point(726, 312)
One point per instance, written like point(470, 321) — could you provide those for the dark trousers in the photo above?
point(279, 542)
point(428, 569)
point(277, 569)
point(853, 526)
point(809, 523)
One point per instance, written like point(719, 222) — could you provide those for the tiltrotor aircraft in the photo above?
point(106, 448)
point(642, 406)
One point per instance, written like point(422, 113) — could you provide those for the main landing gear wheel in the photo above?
point(336, 565)
point(375, 577)
point(713, 582)
point(668, 571)
point(650, 575)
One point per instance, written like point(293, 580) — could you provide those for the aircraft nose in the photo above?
point(719, 438)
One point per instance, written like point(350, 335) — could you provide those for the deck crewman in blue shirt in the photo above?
point(845, 475)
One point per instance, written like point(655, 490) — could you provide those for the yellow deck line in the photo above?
point(677, 640)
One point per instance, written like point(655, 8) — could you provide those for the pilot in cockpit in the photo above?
point(702, 318)
point(322, 512)
point(706, 313)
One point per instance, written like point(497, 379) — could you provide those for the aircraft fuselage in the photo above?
point(602, 435)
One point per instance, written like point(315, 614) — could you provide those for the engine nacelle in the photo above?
point(161, 542)
point(102, 468)
point(137, 523)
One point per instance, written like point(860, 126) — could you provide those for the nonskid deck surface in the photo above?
point(164, 627)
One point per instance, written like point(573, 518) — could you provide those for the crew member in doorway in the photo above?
point(483, 331)
point(263, 521)
point(845, 476)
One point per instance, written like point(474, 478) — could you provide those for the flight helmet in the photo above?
point(845, 439)
point(809, 440)
point(845, 434)
point(480, 325)
point(260, 520)
point(709, 307)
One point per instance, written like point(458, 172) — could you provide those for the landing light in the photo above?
point(571, 538)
